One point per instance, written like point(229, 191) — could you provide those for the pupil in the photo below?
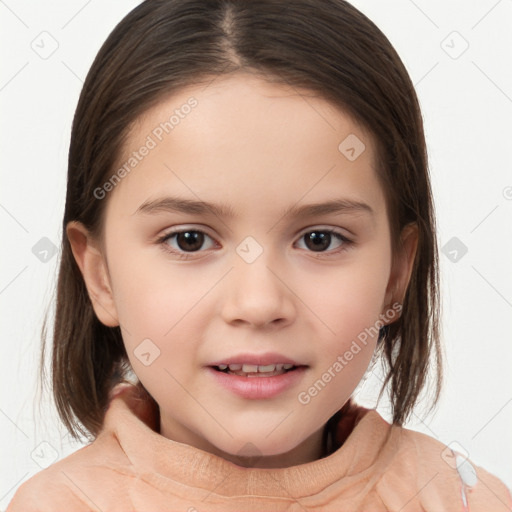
point(194, 239)
point(318, 240)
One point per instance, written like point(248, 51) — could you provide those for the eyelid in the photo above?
point(330, 229)
point(202, 229)
point(187, 227)
point(347, 242)
point(184, 228)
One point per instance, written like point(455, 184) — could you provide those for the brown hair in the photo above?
point(327, 47)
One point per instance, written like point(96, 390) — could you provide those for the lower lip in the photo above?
point(258, 387)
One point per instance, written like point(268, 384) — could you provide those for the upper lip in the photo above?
point(257, 359)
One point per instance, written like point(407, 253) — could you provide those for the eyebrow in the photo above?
point(181, 205)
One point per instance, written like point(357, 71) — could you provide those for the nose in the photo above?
point(257, 294)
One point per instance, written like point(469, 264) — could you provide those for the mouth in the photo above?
point(253, 370)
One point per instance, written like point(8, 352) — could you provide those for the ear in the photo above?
point(92, 264)
point(402, 266)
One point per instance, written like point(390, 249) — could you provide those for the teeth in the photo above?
point(267, 368)
point(253, 368)
point(249, 368)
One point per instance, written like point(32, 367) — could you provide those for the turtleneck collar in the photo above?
point(359, 438)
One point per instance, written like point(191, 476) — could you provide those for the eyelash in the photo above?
point(186, 255)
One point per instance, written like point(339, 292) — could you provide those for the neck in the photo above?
point(309, 450)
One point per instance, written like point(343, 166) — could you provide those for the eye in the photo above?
point(185, 241)
point(318, 240)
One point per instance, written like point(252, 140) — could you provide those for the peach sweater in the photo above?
point(378, 467)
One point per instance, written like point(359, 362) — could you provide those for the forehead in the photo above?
point(245, 104)
point(244, 137)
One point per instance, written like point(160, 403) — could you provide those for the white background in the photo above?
point(467, 109)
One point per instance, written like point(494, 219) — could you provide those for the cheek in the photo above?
point(147, 301)
point(348, 299)
point(164, 304)
point(151, 295)
point(160, 323)
point(349, 311)
point(348, 305)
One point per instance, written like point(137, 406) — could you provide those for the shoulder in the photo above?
point(78, 481)
point(432, 475)
point(43, 492)
point(66, 484)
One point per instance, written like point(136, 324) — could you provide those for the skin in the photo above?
point(259, 148)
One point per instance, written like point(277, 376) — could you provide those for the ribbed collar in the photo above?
point(363, 436)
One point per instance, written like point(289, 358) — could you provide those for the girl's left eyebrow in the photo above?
point(191, 206)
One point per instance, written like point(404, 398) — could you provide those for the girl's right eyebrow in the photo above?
point(182, 205)
point(190, 206)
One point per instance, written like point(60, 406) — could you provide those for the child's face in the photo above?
point(256, 284)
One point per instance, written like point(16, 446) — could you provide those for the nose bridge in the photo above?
point(256, 293)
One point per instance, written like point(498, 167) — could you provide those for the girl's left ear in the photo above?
point(403, 263)
point(92, 264)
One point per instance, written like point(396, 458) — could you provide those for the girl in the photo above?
point(249, 226)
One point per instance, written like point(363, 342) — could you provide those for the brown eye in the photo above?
point(318, 240)
point(186, 241)
point(190, 240)
point(321, 240)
